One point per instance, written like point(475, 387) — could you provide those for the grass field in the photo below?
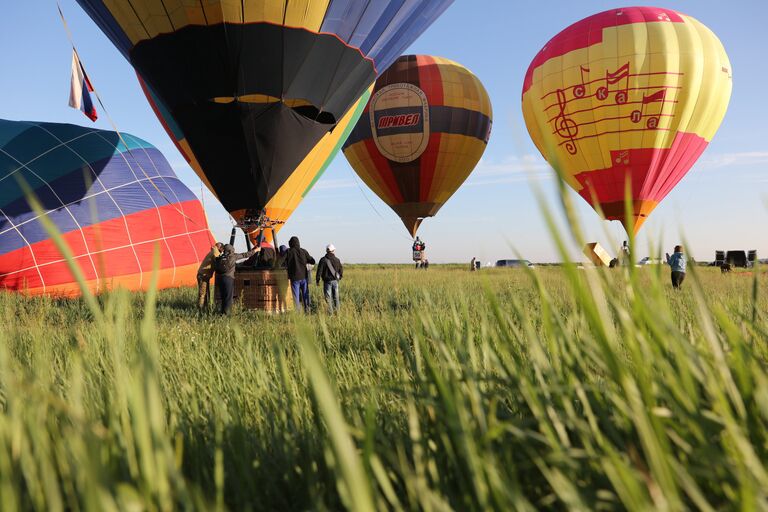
point(500, 389)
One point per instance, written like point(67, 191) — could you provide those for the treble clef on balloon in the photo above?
point(565, 127)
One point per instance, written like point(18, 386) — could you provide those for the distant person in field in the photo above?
point(677, 264)
point(225, 274)
point(419, 253)
point(472, 266)
point(204, 275)
point(330, 270)
point(296, 263)
point(624, 257)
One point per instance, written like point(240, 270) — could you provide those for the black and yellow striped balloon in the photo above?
point(249, 88)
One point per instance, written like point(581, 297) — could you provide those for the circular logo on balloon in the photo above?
point(399, 115)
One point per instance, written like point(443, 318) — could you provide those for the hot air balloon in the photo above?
point(113, 199)
point(632, 94)
point(253, 86)
point(287, 198)
point(423, 131)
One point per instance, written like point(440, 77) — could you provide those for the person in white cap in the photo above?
point(329, 269)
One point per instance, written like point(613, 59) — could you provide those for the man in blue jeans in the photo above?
point(296, 262)
point(329, 269)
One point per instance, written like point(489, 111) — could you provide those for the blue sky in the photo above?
point(721, 203)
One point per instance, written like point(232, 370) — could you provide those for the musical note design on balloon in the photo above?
point(564, 125)
point(613, 78)
point(653, 121)
point(634, 95)
point(580, 90)
point(622, 157)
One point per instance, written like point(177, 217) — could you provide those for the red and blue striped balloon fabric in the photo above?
point(114, 198)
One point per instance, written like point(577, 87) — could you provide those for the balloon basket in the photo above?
point(597, 255)
point(263, 289)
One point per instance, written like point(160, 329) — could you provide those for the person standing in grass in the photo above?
point(624, 256)
point(329, 269)
point(677, 263)
point(296, 262)
point(204, 275)
point(419, 253)
point(225, 266)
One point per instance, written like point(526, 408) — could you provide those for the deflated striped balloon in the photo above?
point(423, 131)
point(632, 94)
point(113, 200)
point(254, 85)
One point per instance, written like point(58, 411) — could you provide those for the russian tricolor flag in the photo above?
point(80, 90)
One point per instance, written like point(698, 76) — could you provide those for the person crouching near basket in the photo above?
point(330, 270)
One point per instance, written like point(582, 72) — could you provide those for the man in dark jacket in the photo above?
point(296, 261)
point(329, 269)
point(225, 274)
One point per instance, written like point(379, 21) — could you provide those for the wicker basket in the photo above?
point(266, 290)
point(597, 255)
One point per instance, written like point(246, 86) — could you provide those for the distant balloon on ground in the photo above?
point(250, 88)
point(627, 94)
point(114, 201)
point(422, 133)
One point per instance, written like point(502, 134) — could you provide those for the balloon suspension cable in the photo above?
point(114, 125)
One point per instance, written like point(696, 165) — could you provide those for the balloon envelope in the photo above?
point(632, 94)
point(112, 203)
point(423, 131)
point(253, 86)
point(302, 179)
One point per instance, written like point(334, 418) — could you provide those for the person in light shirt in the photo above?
point(677, 264)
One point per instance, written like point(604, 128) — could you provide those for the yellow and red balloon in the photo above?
point(422, 133)
point(632, 94)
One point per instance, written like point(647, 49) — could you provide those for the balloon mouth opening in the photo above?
point(302, 107)
point(315, 114)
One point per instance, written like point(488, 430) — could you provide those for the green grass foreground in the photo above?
point(499, 389)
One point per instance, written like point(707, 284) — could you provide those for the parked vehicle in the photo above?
point(733, 259)
point(514, 263)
